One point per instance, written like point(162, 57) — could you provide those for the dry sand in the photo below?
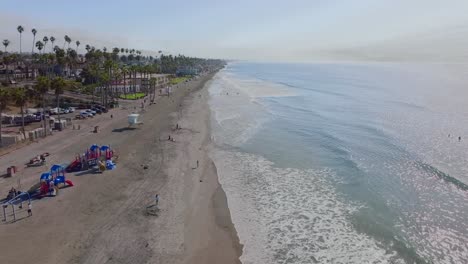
point(103, 218)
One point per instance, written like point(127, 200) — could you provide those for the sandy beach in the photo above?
point(103, 218)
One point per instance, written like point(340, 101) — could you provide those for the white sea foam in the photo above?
point(237, 124)
point(285, 215)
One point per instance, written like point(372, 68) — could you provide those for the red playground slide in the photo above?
point(74, 166)
point(70, 183)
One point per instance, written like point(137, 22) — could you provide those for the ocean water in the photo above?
point(344, 163)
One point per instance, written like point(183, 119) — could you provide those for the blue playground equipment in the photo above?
point(58, 174)
point(94, 147)
point(50, 181)
point(46, 176)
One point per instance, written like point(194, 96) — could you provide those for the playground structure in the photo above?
point(17, 200)
point(50, 182)
point(94, 156)
point(102, 157)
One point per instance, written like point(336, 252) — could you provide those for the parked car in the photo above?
point(71, 109)
point(97, 110)
point(102, 108)
point(54, 111)
point(91, 112)
point(85, 114)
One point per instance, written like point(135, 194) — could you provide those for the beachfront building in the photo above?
point(138, 85)
point(187, 70)
point(15, 74)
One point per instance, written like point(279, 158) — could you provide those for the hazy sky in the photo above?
point(294, 30)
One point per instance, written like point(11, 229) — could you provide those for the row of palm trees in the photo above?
point(39, 44)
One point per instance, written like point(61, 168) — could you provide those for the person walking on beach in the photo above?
point(459, 138)
point(197, 163)
point(29, 209)
point(156, 199)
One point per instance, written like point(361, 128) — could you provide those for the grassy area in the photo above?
point(132, 96)
point(178, 80)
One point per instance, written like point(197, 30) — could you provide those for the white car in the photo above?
point(85, 114)
point(91, 111)
point(71, 109)
point(54, 111)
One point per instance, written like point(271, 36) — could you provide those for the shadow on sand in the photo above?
point(123, 129)
point(86, 172)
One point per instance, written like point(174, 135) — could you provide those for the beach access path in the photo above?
point(103, 218)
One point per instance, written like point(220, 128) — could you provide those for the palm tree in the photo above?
point(67, 40)
point(4, 98)
point(77, 45)
point(87, 47)
point(42, 87)
point(124, 71)
point(39, 45)
point(20, 96)
point(45, 39)
point(6, 42)
point(33, 31)
point(152, 91)
point(20, 30)
point(58, 85)
point(72, 57)
point(52, 40)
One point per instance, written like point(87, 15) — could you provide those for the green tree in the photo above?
point(20, 96)
point(152, 91)
point(77, 45)
point(6, 42)
point(20, 31)
point(45, 39)
point(67, 40)
point(39, 45)
point(7, 60)
point(125, 72)
point(52, 40)
point(58, 85)
point(72, 57)
point(42, 87)
point(4, 98)
point(34, 32)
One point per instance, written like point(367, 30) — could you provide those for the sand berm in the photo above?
point(103, 218)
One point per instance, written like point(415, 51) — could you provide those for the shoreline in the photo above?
point(210, 217)
point(102, 218)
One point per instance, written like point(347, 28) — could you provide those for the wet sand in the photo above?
point(103, 218)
